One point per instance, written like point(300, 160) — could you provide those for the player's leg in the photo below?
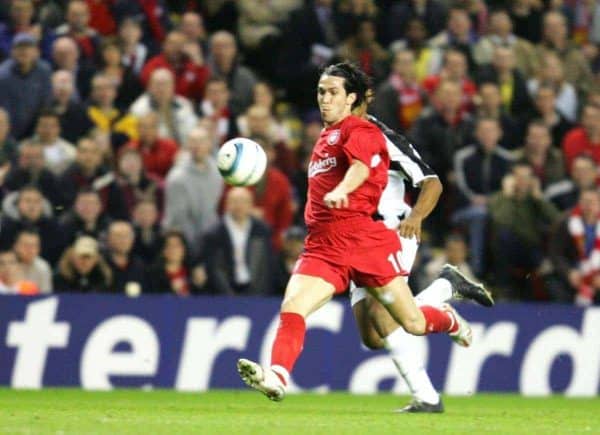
point(304, 294)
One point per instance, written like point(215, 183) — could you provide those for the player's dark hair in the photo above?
point(356, 81)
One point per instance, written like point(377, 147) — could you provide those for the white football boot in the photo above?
point(262, 379)
point(463, 335)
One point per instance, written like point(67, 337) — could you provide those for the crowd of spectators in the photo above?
point(111, 113)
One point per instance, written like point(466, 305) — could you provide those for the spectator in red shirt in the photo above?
point(77, 27)
point(454, 70)
point(584, 139)
point(185, 60)
point(158, 154)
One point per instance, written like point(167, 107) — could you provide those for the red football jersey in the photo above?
point(337, 146)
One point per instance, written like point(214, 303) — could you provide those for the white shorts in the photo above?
point(406, 261)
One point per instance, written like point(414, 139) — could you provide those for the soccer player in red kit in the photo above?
point(347, 174)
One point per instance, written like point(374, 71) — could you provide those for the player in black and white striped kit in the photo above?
point(377, 328)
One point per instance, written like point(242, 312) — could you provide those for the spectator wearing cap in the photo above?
point(30, 169)
point(74, 121)
point(24, 85)
point(158, 153)
point(185, 60)
point(85, 218)
point(584, 139)
point(34, 268)
point(82, 269)
point(77, 26)
point(127, 269)
point(58, 153)
point(176, 113)
point(21, 20)
point(193, 189)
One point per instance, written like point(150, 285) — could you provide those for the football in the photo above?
point(241, 162)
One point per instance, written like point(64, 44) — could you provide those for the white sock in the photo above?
point(400, 344)
point(438, 292)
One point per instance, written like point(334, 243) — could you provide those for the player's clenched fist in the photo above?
point(336, 199)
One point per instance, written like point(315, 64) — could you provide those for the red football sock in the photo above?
point(437, 320)
point(288, 342)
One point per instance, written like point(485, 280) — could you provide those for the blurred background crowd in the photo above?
point(112, 112)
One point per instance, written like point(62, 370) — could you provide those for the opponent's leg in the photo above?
point(304, 295)
point(401, 346)
point(360, 301)
point(397, 298)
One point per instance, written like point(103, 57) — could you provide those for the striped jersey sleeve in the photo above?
point(404, 157)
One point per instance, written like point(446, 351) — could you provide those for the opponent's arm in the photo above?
point(356, 175)
point(431, 189)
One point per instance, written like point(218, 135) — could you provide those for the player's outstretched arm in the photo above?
point(431, 189)
point(356, 175)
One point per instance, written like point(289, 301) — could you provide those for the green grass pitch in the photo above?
point(66, 411)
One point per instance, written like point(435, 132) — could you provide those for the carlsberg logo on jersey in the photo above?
point(320, 166)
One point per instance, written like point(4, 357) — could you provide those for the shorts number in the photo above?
point(396, 260)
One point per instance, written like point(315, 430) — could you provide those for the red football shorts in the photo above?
point(357, 249)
